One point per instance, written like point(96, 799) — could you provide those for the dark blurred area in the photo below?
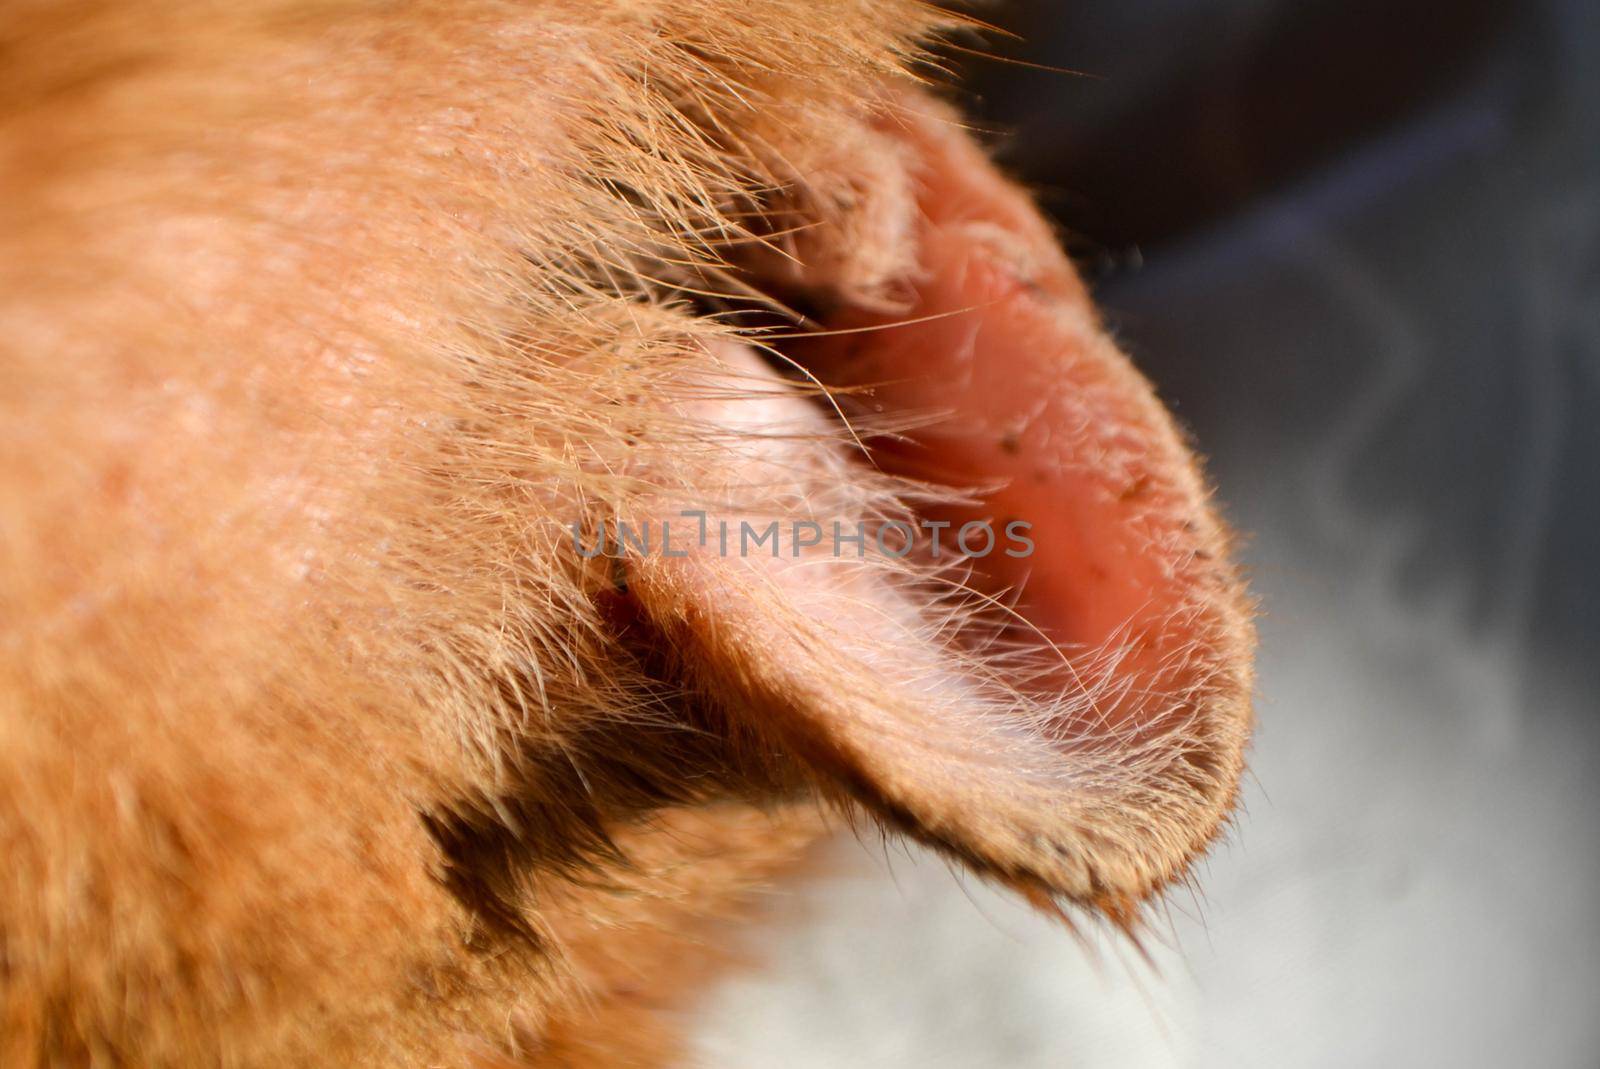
point(1357, 246)
point(1286, 201)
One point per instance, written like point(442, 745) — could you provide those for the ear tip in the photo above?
point(1121, 849)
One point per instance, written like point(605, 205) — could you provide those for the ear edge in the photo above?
point(1108, 850)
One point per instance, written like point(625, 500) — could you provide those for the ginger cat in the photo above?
point(333, 336)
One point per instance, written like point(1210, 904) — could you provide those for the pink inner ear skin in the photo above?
point(1026, 396)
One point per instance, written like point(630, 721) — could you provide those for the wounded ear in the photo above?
point(1070, 720)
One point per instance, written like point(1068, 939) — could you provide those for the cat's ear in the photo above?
point(1088, 741)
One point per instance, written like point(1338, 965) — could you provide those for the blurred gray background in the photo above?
point(1357, 246)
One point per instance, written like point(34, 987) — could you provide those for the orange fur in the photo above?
point(319, 322)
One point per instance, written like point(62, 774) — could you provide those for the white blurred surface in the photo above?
point(1410, 884)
